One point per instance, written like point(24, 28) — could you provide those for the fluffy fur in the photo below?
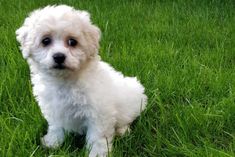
point(87, 96)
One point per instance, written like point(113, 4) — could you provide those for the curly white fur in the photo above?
point(88, 96)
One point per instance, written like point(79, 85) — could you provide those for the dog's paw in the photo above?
point(98, 154)
point(122, 130)
point(51, 141)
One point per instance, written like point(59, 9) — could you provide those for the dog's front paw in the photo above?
point(98, 154)
point(53, 139)
point(100, 147)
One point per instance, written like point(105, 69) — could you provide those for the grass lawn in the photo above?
point(183, 51)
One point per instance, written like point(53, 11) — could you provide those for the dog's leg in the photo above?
point(54, 137)
point(99, 142)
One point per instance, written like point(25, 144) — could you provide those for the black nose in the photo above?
point(59, 58)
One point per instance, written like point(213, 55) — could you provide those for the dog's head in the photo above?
point(58, 38)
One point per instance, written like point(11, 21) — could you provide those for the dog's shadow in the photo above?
point(73, 142)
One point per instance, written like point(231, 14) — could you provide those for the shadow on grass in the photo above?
point(73, 144)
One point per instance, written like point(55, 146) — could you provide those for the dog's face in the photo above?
point(58, 38)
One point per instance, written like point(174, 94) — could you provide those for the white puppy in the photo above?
point(75, 90)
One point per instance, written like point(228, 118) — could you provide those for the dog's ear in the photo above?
point(21, 36)
point(92, 33)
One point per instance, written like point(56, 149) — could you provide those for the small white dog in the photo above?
point(76, 91)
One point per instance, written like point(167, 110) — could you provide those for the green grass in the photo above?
point(183, 51)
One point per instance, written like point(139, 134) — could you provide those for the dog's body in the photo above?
point(75, 90)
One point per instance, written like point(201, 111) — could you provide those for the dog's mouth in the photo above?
point(59, 66)
point(62, 67)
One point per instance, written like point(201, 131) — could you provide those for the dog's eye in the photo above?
point(46, 41)
point(72, 42)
